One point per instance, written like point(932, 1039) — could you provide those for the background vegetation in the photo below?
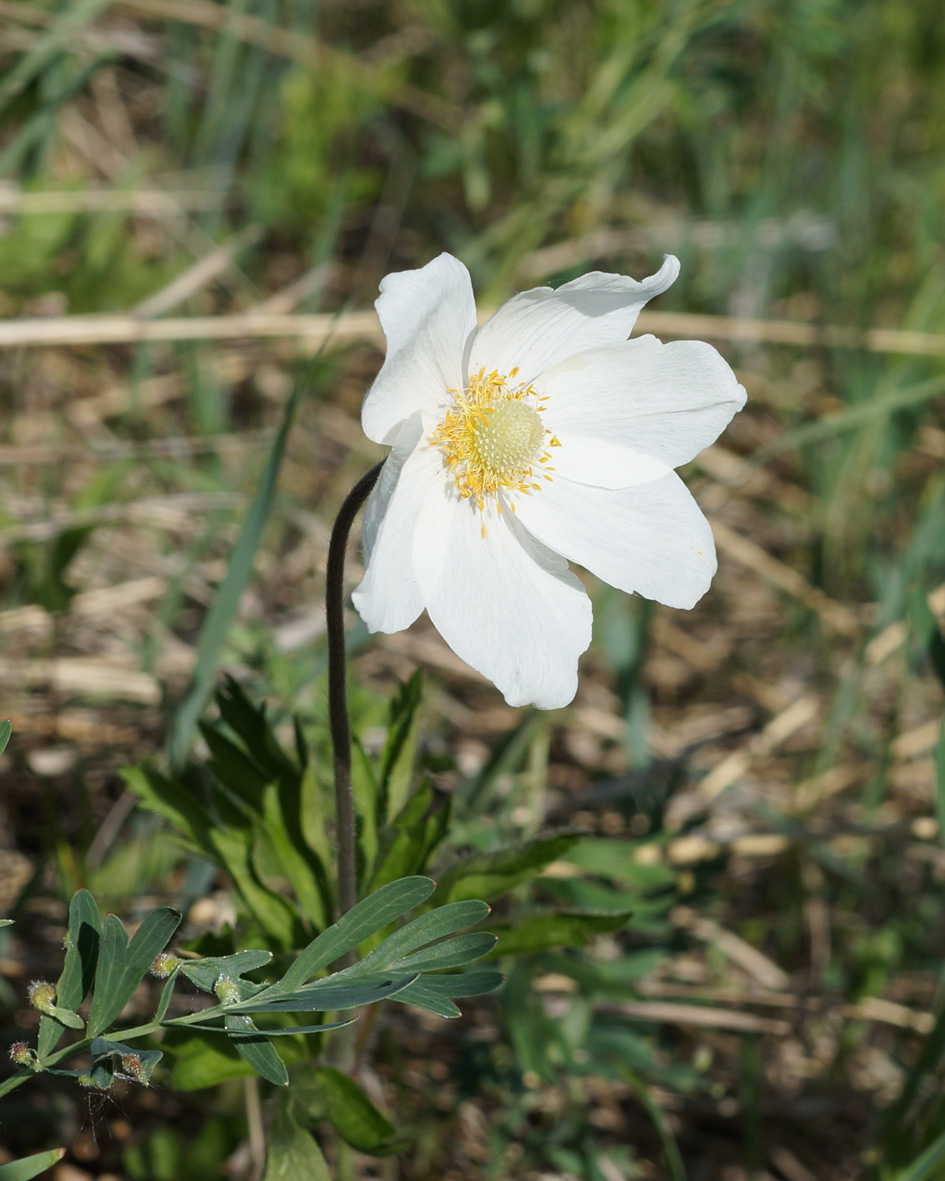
point(761, 781)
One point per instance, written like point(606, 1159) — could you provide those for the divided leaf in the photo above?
point(122, 964)
point(78, 969)
point(370, 915)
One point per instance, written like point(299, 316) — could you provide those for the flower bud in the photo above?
point(42, 996)
point(164, 965)
point(131, 1064)
point(227, 990)
point(22, 1055)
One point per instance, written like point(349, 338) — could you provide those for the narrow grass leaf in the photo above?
point(59, 37)
point(31, 1166)
point(6, 729)
point(926, 1165)
point(226, 601)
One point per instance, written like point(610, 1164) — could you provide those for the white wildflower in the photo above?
point(545, 437)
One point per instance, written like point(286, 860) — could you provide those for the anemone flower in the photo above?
point(544, 438)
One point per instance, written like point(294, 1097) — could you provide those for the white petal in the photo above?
point(429, 318)
point(541, 327)
point(506, 605)
point(651, 539)
point(388, 597)
point(639, 397)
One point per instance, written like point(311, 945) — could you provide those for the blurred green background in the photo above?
point(762, 780)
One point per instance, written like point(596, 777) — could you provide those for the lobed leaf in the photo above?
point(422, 930)
point(123, 964)
point(435, 992)
point(327, 995)
point(78, 969)
point(451, 953)
point(204, 973)
point(362, 921)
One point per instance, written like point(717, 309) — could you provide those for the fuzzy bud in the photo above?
point(131, 1065)
point(165, 965)
point(42, 996)
point(227, 990)
point(22, 1055)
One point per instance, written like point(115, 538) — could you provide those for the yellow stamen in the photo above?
point(492, 436)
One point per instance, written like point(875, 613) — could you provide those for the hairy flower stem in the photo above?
point(338, 721)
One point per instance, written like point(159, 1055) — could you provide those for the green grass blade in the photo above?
point(226, 602)
point(926, 1164)
point(31, 1166)
point(75, 17)
point(6, 729)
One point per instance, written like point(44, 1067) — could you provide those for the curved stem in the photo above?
point(338, 722)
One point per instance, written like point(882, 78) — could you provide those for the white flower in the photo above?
point(544, 438)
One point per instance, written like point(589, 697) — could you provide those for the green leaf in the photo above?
point(122, 965)
point(205, 973)
point(435, 992)
point(166, 797)
point(204, 1061)
point(148, 1059)
point(6, 729)
point(28, 1167)
point(940, 795)
point(353, 1116)
point(421, 996)
point(928, 631)
point(507, 756)
point(256, 1049)
point(925, 1167)
point(328, 996)
point(289, 1031)
point(66, 1017)
point(399, 758)
point(451, 953)
point(490, 875)
point(542, 932)
point(226, 601)
point(362, 921)
point(291, 1153)
point(78, 969)
point(409, 841)
point(420, 931)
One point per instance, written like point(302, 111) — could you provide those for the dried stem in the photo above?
point(337, 689)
